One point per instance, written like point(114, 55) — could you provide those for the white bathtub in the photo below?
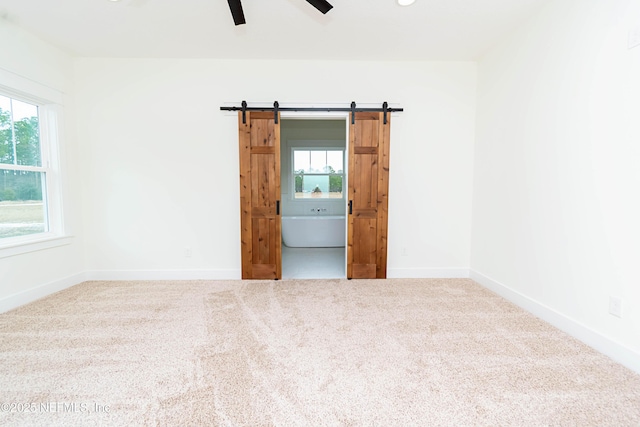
point(313, 231)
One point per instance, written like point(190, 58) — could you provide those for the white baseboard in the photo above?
point(427, 273)
point(236, 274)
point(221, 274)
point(25, 297)
point(616, 351)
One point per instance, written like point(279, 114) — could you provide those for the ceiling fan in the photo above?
point(238, 14)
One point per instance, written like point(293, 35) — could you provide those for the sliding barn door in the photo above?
point(260, 196)
point(368, 196)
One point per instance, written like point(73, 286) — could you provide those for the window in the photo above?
point(25, 175)
point(318, 173)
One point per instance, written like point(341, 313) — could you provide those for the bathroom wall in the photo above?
point(309, 133)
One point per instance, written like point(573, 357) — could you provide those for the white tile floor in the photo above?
point(313, 263)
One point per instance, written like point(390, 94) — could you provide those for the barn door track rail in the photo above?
point(353, 109)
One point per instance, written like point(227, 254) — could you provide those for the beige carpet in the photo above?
point(300, 353)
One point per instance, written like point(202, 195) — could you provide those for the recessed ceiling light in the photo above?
point(405, 2)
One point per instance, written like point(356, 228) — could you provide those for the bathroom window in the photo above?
point(318, 173)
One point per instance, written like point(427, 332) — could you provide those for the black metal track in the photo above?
point(351, 109)
point(327, 109)
point(322, 5)
point(237, 12)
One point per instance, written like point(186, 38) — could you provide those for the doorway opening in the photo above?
point(313, 159)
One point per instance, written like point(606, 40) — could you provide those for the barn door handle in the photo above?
point(277, 207)
point(350, 207)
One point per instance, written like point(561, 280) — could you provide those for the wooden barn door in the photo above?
point(260, 196)
point(368, 196)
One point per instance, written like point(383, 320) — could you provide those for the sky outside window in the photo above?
point(318, 161)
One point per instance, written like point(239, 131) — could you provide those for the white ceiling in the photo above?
point(276, 29)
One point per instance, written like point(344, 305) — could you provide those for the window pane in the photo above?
point(22, 210)
point(315, 184)
point(318, 186)
point(25, 122)
point(301, 161)
point(335, 160)
point(318, 161)
point(335, 186)
point(6, 135)
point(5, 103)
point(19, 133)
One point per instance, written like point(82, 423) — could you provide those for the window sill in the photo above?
point(33, 244)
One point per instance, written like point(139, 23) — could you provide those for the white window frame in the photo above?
point(293, 173)
point(50, 113)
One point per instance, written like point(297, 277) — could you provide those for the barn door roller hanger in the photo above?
point(353, 109)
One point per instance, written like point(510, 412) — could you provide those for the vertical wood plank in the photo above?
point(353, 140)
point(278, 192)
point(383, 196)
point(255, 181)
point(245, 195)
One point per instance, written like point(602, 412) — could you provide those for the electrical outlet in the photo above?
point(615, 306)
point(187, 252)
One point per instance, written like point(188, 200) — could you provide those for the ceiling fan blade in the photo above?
point(237, 12)
point(322, 5)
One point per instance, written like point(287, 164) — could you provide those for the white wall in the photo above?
point(556, 186)
point(33, 63)
point(160, 161)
